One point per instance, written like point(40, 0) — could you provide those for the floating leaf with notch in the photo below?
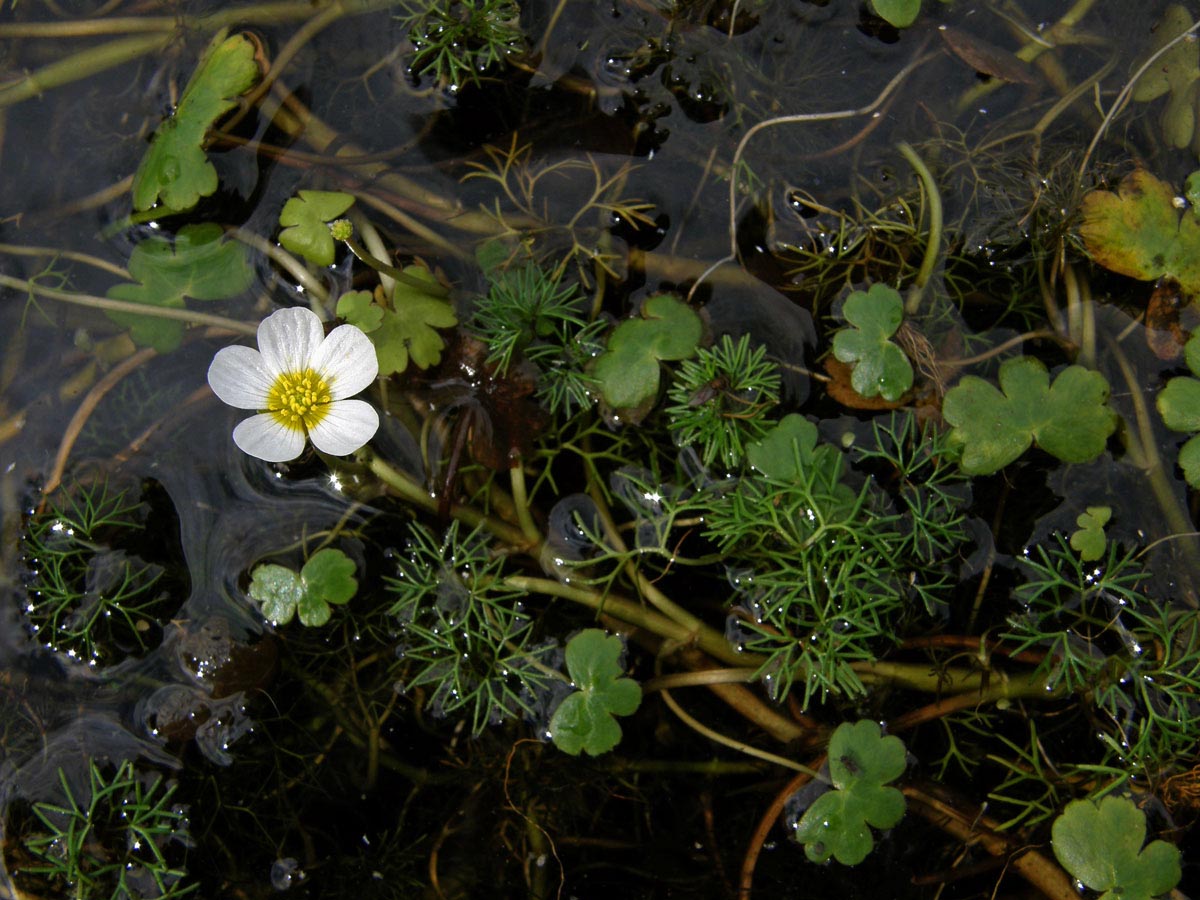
point(861, 763)
point(790, 449)
point(1089, 541)
point(585, 720)
point(1069, 420)
point(175, 169)
point(305, 221)
point(1179, 405)
point(326, 579)
point(1101, 845)
point(1140, 232)
point(199, 264)
point(880, 367)
point(628, 371)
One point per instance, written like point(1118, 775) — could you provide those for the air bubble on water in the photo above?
point(285, 872)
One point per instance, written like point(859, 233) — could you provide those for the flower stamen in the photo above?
point(299, 400)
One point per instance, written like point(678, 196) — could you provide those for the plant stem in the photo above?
point(468, 515)
point(933, 247)
point(707, 639)
point(516, 477)
point(700, 728)
point(82, 65)
point(987, 686)
point(426, 287)
point(127, 306)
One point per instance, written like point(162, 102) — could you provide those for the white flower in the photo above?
point(300, 380)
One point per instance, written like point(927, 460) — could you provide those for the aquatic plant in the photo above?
point(861, 763)
point(720, 400)
point(326, 579)
point(123, 836)
point(175, 169)
point(457, 41)
point(1101, 845)
point(605, 516)
point(87, 595)
point(303, 380)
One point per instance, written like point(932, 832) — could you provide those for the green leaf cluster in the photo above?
point(406, 330)
point(1100, 844)
point(529, 314)
point(88, 596)
point(175, 169)
point(1069, 420)
point(720, 399)
point(118, 837)
point(585, 720)
point(628, 371)
point(861, 763)
point(327, 579)
point(1179, 405)
point(199, 264)
point(463, 632)
point(305, 221)
point(880, 366)
point(456, 41)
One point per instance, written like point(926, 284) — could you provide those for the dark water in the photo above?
point(300, 766)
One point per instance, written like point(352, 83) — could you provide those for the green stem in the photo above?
point(81, 65)
point(933, 248)
point(516, 477)
point(127, 306)
point(707, 639)
point(989, 686)
point(468, 515)
point(425, 287)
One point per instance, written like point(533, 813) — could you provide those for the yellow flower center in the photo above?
point(299, 400)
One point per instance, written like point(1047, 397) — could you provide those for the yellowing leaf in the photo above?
point(1140, 232)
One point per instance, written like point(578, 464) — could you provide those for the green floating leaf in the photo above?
point(898, 13)
point(175, 169)
point(880, 367)
point(326, 579)
point(861, 763)
point(1089, 540)
point(359, 309)
point(628, 371)
point(585, 719)
point(406, 332)
point(305, 219)
point(993, 427)
point(1179, 405)
point(1140, 232)
point(199, 265)
point(790, 449)
point(1101, 845)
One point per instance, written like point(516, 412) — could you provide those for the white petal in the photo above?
point(347, 360)
point(263, 437)
point(347, 426)
point(288, 337)
point(239, 376)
